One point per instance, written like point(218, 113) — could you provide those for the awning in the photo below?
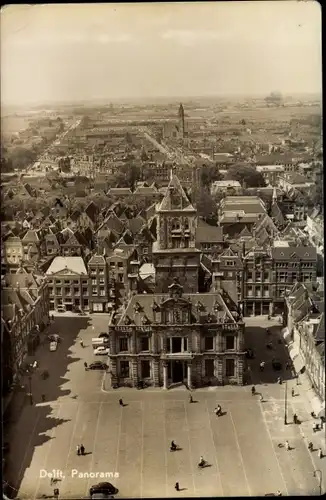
point(293, 352)
point(286, 334)
point(298, 363)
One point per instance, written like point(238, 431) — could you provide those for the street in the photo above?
point(241, 447)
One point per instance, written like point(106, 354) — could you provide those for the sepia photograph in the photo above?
point(162, 250)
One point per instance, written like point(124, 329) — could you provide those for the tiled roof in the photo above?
point(119, 191)
point(208, 234)
point(31, 236)
point(294, 252)
point(97, 260)
point(92, 211)
point(74, 264)
point(146, 190)
point(135, 225)
point(203, 306)
point(113, 223)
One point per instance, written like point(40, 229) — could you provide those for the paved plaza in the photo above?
point(241, 447)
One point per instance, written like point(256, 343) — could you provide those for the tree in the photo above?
point(206, 207)
point(245, 174)
point(209, 174)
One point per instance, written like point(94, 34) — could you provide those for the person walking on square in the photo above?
point(253, 390)
point(320, 453)
point(295, 418)
point(81, 343)
point(82, 449)
point(292, 393)
point(78, 449)
point(120, 402)
point(287, 446)
point(190, 401)
point(85, 365)
point(177, 487)
point(261, 398)
point(262, 366)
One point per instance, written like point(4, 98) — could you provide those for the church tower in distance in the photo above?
point(181, 114)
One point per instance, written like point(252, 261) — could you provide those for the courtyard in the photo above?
point(131, 444)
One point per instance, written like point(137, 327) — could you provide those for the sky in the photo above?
point(74, 52)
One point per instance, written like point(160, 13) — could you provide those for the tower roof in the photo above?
point(175, 198)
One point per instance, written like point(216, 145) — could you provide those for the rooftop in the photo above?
point(66, 264)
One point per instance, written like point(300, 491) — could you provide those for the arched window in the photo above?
point(175, 224)
point(186, 224)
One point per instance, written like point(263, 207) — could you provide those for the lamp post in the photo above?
point(286, 403)
point(320, 479)
point(30, 389)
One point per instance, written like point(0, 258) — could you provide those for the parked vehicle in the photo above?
point(103, 335)
point(97, 365)
point(101, 351)
point(105, 488)
point(53, 346)
point(54, 338)
point(99, 342)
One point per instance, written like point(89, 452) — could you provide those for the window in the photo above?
point(124, 369)
point(266, 291)
point(230, 342)
point(123, 344)
point(85, 282)
point(67, 291)
point(281, 291)
point(209, 343)
point(209, 368)
point(282, 276)
point(120, 278)
point(144, 343)
point(102, 292)
point(67, 282)
point(250, 291)
point(102, 281)
point(58, 282)
point(112, 264)
point(145, 250)
point(94, 290)
point(120, 265)
point(176, 242)
point(230, 263)
point(258, 291)
point(266, 276)
point(85, 291)
point(229, 274)
point(258, 276)
point(94, 282)
point(58, 291)
point(229, 367)
point(76, 282)
point(101, 271)
point(249, 276)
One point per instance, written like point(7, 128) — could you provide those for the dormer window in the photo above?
point(156, 307)
point(145, 320)
point(137, 307)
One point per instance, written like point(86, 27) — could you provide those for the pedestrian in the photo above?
point(261, 398)
point(78, 449)
point(120, 402)
point(278, 493)
point(52, 317)
point(295, 418)
point(190, 401)
point(310, 446)
point(43, 398)
point(177, 487)
point(56, 492)
point(253, 390)
point(82, 343)
point(279, 380)
point(85, 365)
point(287, 446)
point(292, 392)
point(262, 366)
point(320, 453)
point(82, 449)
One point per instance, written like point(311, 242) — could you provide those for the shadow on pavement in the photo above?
point(257, 339)
point(25, 424)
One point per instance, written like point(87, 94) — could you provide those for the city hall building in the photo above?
point(177, 335)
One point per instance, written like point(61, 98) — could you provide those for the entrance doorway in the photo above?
point(177, 371)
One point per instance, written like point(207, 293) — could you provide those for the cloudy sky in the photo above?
point(76, 52)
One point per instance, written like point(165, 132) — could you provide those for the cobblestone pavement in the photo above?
point(241, 447)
